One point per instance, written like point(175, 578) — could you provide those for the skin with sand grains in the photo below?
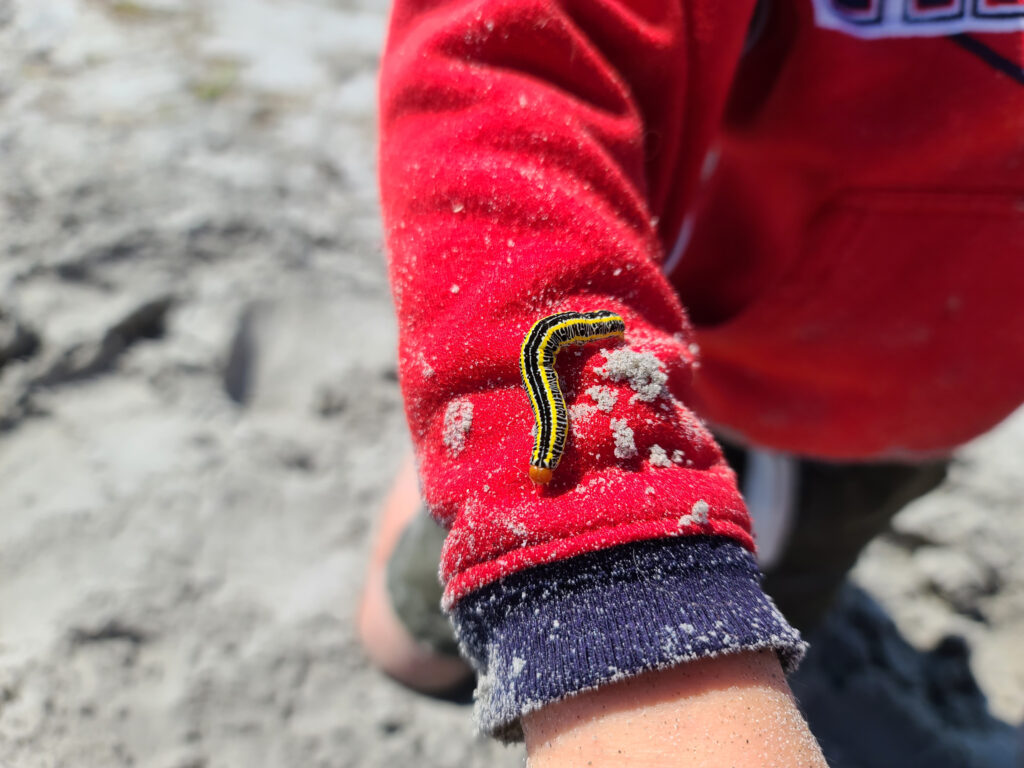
point(733, 710)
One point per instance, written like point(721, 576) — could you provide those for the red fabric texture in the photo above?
point(857, 266)
point(852, 276)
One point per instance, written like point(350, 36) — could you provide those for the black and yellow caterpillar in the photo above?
point(537, 366)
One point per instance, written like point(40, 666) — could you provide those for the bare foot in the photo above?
point(385, 639)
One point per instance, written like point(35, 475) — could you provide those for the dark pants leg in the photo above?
point(840, 508)
point(414, 585)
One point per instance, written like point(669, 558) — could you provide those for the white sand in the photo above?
point(208, 416)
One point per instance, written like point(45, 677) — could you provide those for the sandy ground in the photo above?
point(199, 414)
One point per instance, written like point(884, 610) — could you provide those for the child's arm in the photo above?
point(731, 710)
point(536, 157)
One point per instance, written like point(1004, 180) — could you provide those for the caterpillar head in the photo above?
point(540, 475)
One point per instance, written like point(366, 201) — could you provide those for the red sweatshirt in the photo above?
point(834, 192)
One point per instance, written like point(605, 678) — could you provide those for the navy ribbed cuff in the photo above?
point(542, 634)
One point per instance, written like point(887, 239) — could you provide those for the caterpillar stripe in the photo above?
point(537, 366)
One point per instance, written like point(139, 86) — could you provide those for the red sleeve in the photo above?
point(536, 155)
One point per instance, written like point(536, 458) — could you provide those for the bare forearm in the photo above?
point(734, 710)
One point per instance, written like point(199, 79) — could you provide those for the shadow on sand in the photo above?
point(874, 701)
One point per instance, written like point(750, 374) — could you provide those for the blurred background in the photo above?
point(199, 415)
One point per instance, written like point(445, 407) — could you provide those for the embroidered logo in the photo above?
point(919, 18)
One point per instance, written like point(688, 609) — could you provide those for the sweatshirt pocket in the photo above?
point(902, 270)
point(898, 328)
